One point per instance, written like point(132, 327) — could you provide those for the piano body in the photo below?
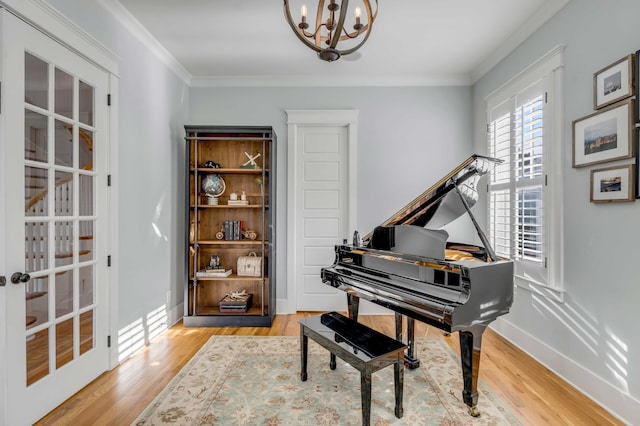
point(407, 265)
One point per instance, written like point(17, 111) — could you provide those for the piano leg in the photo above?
point(410, 361)
point(470, 344)
point(353, 303)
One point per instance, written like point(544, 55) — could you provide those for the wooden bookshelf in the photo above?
point(221, 157)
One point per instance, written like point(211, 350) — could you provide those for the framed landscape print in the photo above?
point(614, 83)
point(613, 184)
point(605, 135)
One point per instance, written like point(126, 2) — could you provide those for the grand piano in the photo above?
point(408, 265)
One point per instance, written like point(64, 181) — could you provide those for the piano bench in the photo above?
point(362, 347)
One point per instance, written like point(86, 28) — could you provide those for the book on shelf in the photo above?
point(227, 230)
point(236, 229)
point(234, 310)
point(233, 230)
point(238, 202)
point(205, 274)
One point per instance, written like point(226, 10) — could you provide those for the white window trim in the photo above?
point(551, 65)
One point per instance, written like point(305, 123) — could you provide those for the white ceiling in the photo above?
point(413, 42)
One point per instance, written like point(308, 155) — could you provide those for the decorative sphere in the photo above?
point(213, 185)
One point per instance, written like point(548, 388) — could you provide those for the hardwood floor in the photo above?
point(533, 393)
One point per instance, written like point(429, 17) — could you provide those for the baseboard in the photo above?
point(284, 307)
point(620, 404)
point(174, 315)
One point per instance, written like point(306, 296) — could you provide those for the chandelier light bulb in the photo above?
point(303, 13)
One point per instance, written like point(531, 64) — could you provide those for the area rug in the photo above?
point(250, 380)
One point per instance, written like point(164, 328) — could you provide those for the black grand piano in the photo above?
point(408, 265)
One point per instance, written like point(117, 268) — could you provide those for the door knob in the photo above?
point(19, 277)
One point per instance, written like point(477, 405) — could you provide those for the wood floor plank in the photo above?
point(534, 394)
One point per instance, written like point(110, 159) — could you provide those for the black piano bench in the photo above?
point(363, 348)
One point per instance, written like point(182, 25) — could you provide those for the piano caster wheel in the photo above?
point(303, 377)
point(411, 363)
point(473, 411)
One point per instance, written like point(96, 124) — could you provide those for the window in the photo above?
point(524, 207)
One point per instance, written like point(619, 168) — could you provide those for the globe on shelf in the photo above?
point(213, 186)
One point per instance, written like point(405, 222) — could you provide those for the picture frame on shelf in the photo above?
point(614, 82)
point(613, 184)
point(605, 135)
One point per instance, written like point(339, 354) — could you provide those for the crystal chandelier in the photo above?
point(330, 27)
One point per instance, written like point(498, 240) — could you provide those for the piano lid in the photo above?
point(442, 203)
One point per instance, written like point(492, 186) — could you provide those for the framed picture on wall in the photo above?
point(605, 135)
point(613, 184)
point(614, 83)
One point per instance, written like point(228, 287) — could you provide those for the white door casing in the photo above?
point(22, 403)
point(321, 202)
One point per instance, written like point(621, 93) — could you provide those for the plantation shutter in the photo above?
point(517, 186)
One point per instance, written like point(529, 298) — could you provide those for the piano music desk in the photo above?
point(365, 349)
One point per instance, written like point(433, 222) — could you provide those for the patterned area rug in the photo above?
point(248, 380)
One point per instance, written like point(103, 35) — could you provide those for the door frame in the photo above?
point(307, 118)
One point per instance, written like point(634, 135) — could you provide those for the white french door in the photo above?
point(55, 226)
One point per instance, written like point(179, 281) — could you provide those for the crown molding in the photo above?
point(126, 19)
point(50, 21)
point(344, 81)
point(549, 9)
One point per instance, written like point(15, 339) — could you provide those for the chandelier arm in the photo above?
point(311, 35)
point(319, 24)
point(370, 17)
point(296, 30)
point(335, 37)
point(355, 34)
point(356, 47)
point(373, 16)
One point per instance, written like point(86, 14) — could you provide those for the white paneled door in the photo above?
point(54, 223)
point(321, 217)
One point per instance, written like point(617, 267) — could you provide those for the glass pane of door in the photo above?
point(86, 103)
point(64, 144)
point(36, 81)
point(64, 93)
point(36, 133)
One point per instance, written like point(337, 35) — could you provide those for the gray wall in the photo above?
point(408, 138)
point(153, 107)
point(592, 338)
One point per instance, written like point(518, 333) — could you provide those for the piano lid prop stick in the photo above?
point(483, 237)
